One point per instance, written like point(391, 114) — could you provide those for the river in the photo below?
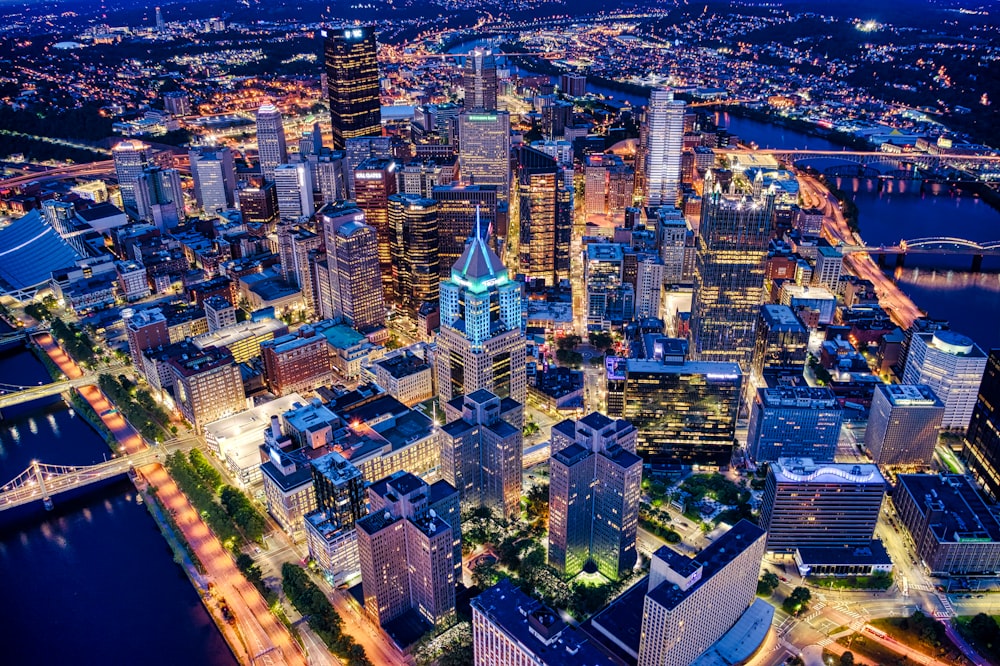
point(92, 581)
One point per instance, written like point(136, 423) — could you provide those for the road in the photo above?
point(899, 306)
point(260, 630)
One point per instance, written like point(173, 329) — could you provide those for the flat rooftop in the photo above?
point(804, 470)
point(962, 515)
point(910, 395)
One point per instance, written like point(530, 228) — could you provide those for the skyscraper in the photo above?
point(159, 198)
point(214, 177)
point(271, 150)
point(953, 366)
point(131, 158)
point(541, 216)
point(458, 206)
point(352, 260)
point(594, 489)
point(664, 142)
point(374, 182)
point(780, 340)
point(729, 276)
point(479, 78)
point(484, 149)
point(351, 56)
point(982, 441)
point(794, 421)
point(481, 345)
point(413, 228)
point(294, 190)
point(903, 425)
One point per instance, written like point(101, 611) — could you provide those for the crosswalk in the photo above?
point(949, 610)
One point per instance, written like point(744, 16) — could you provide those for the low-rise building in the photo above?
point(405, 376)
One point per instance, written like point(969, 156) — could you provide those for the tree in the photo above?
point(538, 503)
point(797, 600)
point(601, 340)
point(768, 583)
point(847, 659)
point(568, 342)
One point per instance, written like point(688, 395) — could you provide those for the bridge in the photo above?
point(11, 394)
point(858, 163)
point(43, 482)
point(935, 245)
point(8, 340)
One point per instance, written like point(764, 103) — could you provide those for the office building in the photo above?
point(374, 182)
point(405, 376)
point(293, 187)
point(541, 217)
point(676, 250)
point(781, 341)
point(333, 547)
point(146, 329)
point(594, 490)
point(354, 273)
point(406, 552)
point(573, 85)
point(259, 203)
point(207, 386)
point(484, 149)
point(610, 300)
point(219, 313)
point(132, 281)
point(458, 206)
point(982, 441)
point(175, 103)
point(413, 243)
point(685, 411)
point(296, 362)
point(903, 425)
point(952, 365)
point(481, 451)
point(608, 184)
point(954, 532)
point(271, 150)
point(214, 177)
point(289, 489)
point(351, 58)
point(664, 142)
point(794, 422)
point(820, 504)
point(479, 78)
point(729, 277)
point(131, 158)
point(159, 198)
point(509, 628)
point(340, 489)
point(481, 344)
point(829, 266)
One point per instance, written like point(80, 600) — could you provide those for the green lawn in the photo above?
point(921, 633)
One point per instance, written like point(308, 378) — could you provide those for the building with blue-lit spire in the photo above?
point(481, 344)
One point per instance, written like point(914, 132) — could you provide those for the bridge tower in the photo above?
point(40, 477)
point(977, 266)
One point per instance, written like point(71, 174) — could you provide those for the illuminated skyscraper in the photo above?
point(214, 177)
point(352, 260)
point(351, 55)
point(484, 149)
point(374, 182)
point(131, 158)
point(159, 198)
point(479, 78)
point(541, 215)
point(294, 190)
point(481, 344)
point(953, 366)
point(664, 142)
point(729, 275)
point(271, 150)
point(982, 441)
point(458, 206)
point(413, 228)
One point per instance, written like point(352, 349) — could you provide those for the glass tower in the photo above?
point(351, 56)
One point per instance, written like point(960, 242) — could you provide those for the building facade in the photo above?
point(271, 148)
point(982, 441)
point(794, 422)
point(664, 142)
point(413, 243)
point(351, 58)
point(903, 425)
point(953, 366)
point(207, 386)
point(353, 268)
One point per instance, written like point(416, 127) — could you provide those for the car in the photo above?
point(782, 579)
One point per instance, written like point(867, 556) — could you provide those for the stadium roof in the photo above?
point(30, 249)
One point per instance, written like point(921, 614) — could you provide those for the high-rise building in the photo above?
point(363, 148)
point(672, 230)
point(610, 300)
point(352, 259)
point(214, 177)
point(608, 185)
point(177, 103)
point(664, 142)
point(294, 189)
point(406, 552)
point(541, 216)
point(484, 149)
point(259, 203)
point(351, 56)
point(573, 85)
point(794, 422)
point(207, 386)
point(953, 366)
point(903, 425)
point(509, 628)
point(413, 236)
point(982, 441)
point(146, 329)
point(594, 490)
point(296, 362)
point(479, 78)
point(160, 23)
point(685, 410)
point(340, 489)
point(820, 505)
point(481, 344)
point(829, 266)
point(159, 198)
point(781, 341)
point(374, 182)
point(729, 279)
point(132, 281)
point(131, 159)
point(271, 150)
point(330, 175)
point(458, 206)
point(481, 451)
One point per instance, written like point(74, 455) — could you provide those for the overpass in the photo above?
point(43, 482)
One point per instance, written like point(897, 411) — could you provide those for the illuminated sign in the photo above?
point(354, 33)
point(481, 118)
point(368, 175)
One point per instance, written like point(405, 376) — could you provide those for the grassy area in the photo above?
point(983, 635)
point(921, 633)
point(878, 581)
point(867, 649)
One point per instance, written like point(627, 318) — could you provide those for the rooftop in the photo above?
point(961, 515)
point(811, 397)
point(781, 317)
point(910, 395)
point(403, 365)
point(804, 470)
point(30, 250)
point(740, 643)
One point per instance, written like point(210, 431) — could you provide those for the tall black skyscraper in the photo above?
point(982, 441)
point(479, 79)
point(352, 76)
